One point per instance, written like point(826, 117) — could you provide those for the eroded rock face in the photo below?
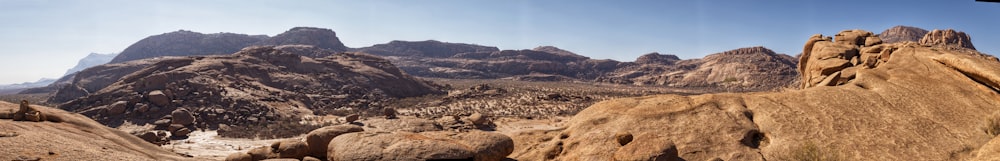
point(254, 86)
point(947, 37)
point(928, 100)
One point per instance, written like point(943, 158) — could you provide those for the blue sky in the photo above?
point(43, 38)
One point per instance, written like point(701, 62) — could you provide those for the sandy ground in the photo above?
point(209, 145)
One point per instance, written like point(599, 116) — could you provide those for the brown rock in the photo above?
point(420, 146)
point(181, 132)
point(319, 139)
point(181, 116)
point(158, 98)
point(389, 113)
point(261, 153)
point(239, 157)
point(352, 117)
point(117, 108)
point(478, 118)
point(623, 138)
point(643, 151)
point(852, 37)
point(308, 158)
point(291, 149)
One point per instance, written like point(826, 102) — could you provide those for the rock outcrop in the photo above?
point(255, 86)
point(948, 37)
point(73, 137)
point(916, 103)
point(902, 34)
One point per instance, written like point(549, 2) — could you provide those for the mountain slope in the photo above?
point(186, 43)
point(93, 59)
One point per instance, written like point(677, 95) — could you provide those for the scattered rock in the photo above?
point(352, 117)
point(158, 98)
point(182, 132)
point(390, 113)
point(478, 118)
point(117, 108)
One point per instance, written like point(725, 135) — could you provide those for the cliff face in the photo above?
point(319, 37)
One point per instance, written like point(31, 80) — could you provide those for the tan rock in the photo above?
point(239, 157)
point(420, 146)
point(158, 98)
point(291, 149)
point(181, 116)
point(352, 117)
point(117, 108)
point(319, 139)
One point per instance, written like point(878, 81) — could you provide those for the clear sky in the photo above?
point(44, 38)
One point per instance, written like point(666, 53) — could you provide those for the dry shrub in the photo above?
point(992, 125)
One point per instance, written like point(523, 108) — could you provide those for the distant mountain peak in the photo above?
point(902, 33)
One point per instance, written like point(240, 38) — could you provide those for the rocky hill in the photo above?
point(901, 34)
point(753, 68)
point(902, 101)
point(319, 37)
point(257, 85)
point(186, 43)
point(429, 48)
point(68, 136)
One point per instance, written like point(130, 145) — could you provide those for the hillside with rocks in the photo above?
point(30, 132)
point(318, 37)
point(753, 68)
point(257, 85)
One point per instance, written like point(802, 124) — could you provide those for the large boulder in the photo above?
point(117, 108)
point(290, 149)
point(182, 116)
point(368, 146)
point(319, 139)
point(158, 98)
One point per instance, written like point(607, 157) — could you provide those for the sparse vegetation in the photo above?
point(729, 79)
point(992, 125)
point(809, 151)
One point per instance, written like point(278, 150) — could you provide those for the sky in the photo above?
point(44, 38)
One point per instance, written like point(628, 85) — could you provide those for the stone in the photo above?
point(182, 116)
point(420, 146)
point(319, 139)
point(150, 137)
point(239, 157)
point(309, 158)
point(158, 98)
point(852, 37)
point(352, 117)
point(647, 151)
point(389, 113)
point(262, 152)
point(117, 108)
point(291, 149)
point(872, 40)
point(478, 118)
point(141, 107)
point(180, 132)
